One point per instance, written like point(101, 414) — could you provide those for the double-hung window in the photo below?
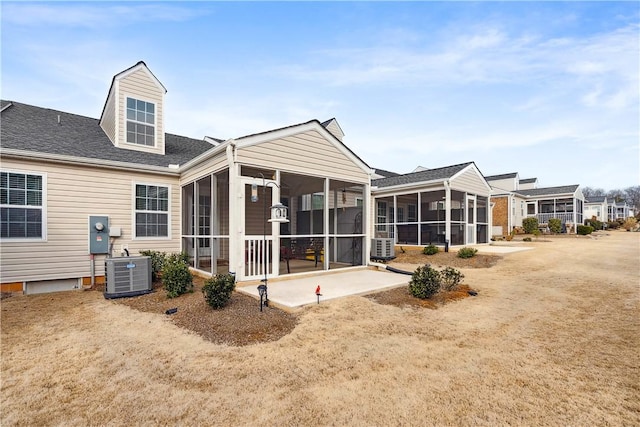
point(21, 205)
point(382, 216)
point(152, 211)
point(141, 122)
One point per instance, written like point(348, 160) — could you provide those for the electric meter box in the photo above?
point(98, 234)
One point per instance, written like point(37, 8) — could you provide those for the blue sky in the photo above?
point(546, 89)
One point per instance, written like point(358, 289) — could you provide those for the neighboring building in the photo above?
point(514, 199)
point(596, 207)
point(170, 193)
point(433, 206)
point(619, 210)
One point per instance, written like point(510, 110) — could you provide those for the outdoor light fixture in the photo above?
point(262, 290)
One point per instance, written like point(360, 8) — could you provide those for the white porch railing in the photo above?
point(254, 250)
point(565, 217)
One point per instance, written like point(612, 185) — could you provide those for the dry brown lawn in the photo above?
point(552, 338)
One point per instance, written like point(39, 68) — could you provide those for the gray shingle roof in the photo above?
point(386, 173)
point(528, 180)
point(422, 176)
point(503, 176)
point(29, 128)
point(549, 191)
point(595, 199)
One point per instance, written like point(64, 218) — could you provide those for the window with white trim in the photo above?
point(412, 213)
point(141, 122)
point(359, 202)
point(152, 211)
point(382, 216)
point(21, 200)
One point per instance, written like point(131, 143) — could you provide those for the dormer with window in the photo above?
point(132, 117)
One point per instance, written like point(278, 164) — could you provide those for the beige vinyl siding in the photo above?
point(73, 193)
point(307, 153)
point(527, 185)
point(335, 130)
point(503, 185)
point(471, 182)
point(108, 119)
point(141, 86)
point(207, 167)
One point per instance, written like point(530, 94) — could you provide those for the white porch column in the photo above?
point(447, 212)
point(235, 225)
point(275, 227)
point(367, 224)
point(419, 218)
point(325, 217)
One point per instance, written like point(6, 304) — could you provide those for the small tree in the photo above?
point(555, 225)
point(530, 224)
point(176, 277)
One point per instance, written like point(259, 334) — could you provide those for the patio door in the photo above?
point(471, 220)
point(260, 237)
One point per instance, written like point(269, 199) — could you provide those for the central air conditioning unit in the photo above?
point(382, 249)
point(127, 276)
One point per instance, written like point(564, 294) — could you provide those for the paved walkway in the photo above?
point(501, 248)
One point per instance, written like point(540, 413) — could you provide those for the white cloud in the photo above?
point(91, 16)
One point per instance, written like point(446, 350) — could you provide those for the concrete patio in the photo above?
point(290, 294)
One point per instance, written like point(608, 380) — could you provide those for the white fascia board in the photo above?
point(142, 66)
point(214, 151)
point(85, 161)
point(477, 171)
point(407, 188)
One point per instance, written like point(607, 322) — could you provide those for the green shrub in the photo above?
point(613, 225)
point(218, 289)
point(425, 282)
point(176, 277)
point(430, 250)
point(583, 230)
point(467, 252)
point(597, 225)
point(450, 278)
point(157, 262)
point(526, 239)
point(555, 225)
point(530, 224)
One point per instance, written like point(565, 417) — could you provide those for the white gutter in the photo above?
point(85, 161)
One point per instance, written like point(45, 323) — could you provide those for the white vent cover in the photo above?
point(128, 276)
point(382, 249)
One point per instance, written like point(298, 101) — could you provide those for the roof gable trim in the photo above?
point(140, 66)
point(260, 138)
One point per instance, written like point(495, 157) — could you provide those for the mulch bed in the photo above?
point(242, 323)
